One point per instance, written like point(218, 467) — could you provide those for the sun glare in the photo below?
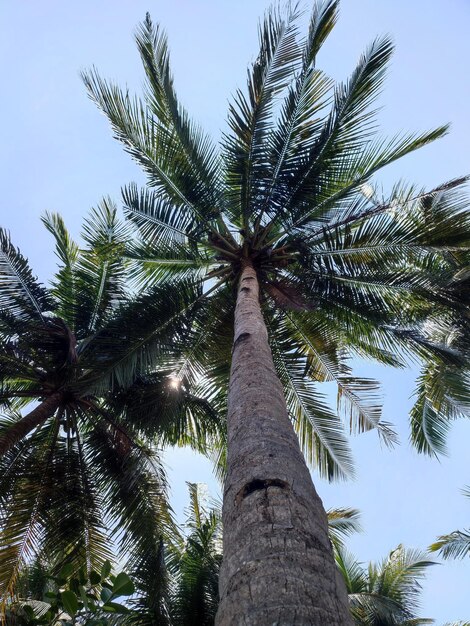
point(174, 381)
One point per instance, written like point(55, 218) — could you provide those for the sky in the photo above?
point(57, 154)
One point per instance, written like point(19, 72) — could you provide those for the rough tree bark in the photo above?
point(278, 566)
point(25, 425)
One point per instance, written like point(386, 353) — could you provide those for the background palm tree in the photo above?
point(80, 471)
point(385, 594)
point(282, 224)
point(191, 562)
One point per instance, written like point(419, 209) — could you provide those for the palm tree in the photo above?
point(385, 594)
point(191, 563)
point(301, 267)
point(78, 468)
point(196, 597)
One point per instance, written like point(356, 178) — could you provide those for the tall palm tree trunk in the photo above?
point(26, 424)
point(278, 565)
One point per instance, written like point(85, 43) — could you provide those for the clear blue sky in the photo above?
point(57, 154)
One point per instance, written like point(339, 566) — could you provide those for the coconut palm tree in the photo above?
point(76, 471)
point(305, 267)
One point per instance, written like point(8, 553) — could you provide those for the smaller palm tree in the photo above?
point(385, 594)
point(196, 593)
point(83, 405)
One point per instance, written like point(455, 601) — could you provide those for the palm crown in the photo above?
point(341, 271)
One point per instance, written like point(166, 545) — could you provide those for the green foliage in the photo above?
point(196, 595)
point(85, 459)
point(80, 598)
point(385, 594)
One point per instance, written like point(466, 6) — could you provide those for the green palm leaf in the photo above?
point(21, 294)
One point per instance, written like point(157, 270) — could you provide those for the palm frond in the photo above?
point(74, 528)
point(20, 292)
point(319, 430)
point(441, 396)
point(349, 122)
point(100, 270)
point(322, 21)
point(64, 288)
point(298, 121)
point(455, 545)
point(200, 158)
point(21, 533)
point(138, 333)
point(341, 524)
point(151, 145)
point(245, 148)
point(169, 245)
point(351, 570)
point(356, 397)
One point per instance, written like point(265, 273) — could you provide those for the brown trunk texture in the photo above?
point(26, 424)
point(278, 566)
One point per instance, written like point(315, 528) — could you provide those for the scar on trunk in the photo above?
point(240, 339)
point(258, 484)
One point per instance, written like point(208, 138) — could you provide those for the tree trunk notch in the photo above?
point(278, 566)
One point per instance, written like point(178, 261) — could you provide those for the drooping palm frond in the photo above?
point(357, 398)
point(320, 432)
point(134, 488)
point(342, 523)
point(442, 395)
point(74, 529)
